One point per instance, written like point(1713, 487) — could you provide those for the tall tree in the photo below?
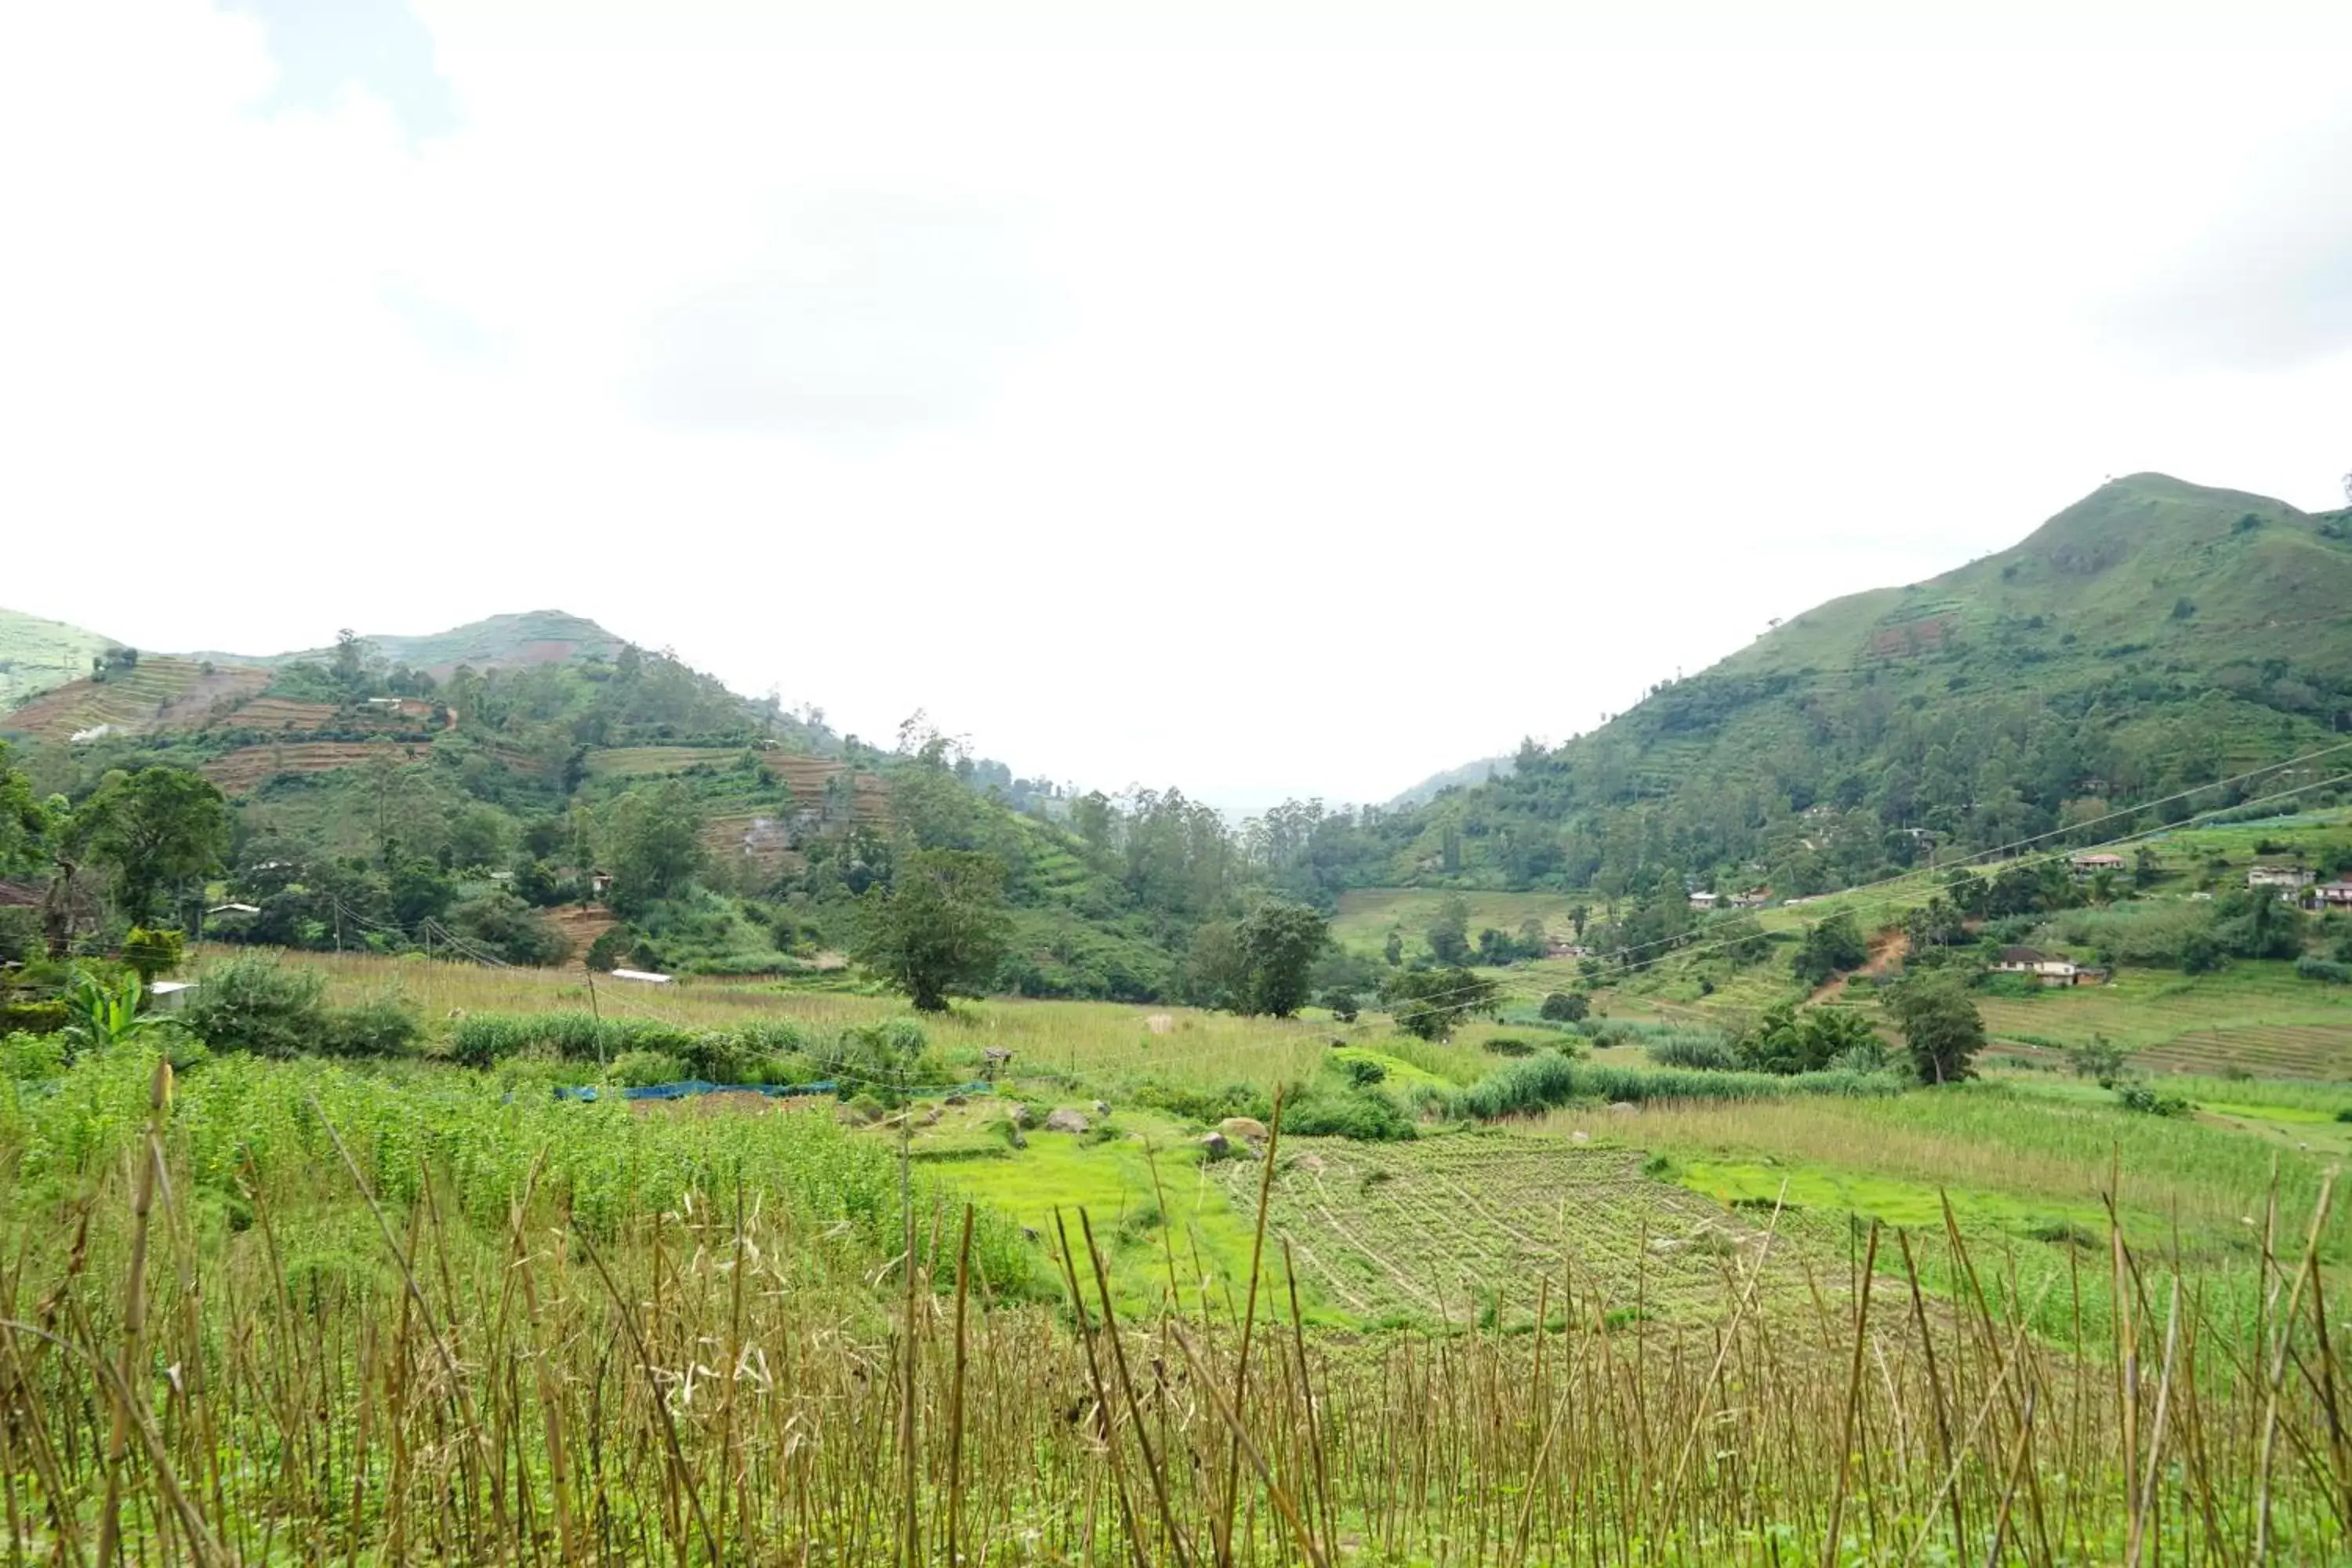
point(1279, 943)
point(938, 926)
point(1449, 933)
point(651, 841)
point(158, 830)
point(1940, 1025)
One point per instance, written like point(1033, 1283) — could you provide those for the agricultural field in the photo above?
point(247, 768)
point(158, 693)
point(396, 1310)
point(2256, 1017)
point(1365, 916)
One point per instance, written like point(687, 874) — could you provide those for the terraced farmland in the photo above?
point(280, 713)
point(2259, 1017)
point(1430, 1230)
point(249, 767)
point(759, 841)
point(654, 761)
point(158, 693)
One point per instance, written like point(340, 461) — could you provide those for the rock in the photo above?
point(1102, 1108)
point(1215, 1146)
point(1018, 1115)
point(1159, 1023)
point(1622, 1107)
point(1030, 1233)
point(956, 1100)
point(1247, 1127)
point(930, 1118)
point(1066, 1121)
point(1580, 1136)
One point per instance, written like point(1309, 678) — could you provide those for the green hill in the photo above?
point(37, 656)
point(2153, 637)
point(533, 636)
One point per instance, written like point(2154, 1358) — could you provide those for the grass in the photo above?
point(695, 1333)
point(1365, 915)
point(2253, 1015)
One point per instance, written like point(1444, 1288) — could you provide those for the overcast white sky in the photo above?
point(1257, 404)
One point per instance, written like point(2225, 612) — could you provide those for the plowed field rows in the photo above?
point(2279, 1050)
point(249, 767)
point(583, 924)
point(1432, 1230)
point(159, 693)
point(807, 777)
point(762, 839)
point(282, 713)
point(648, 761)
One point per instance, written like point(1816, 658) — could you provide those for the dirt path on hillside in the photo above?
point(1887, 949)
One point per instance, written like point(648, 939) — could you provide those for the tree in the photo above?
point(1428, 1003)
point(158, 829)
point(1832, 946)
point(22, 823)
point(2102, 1059)
point(1393, 949)
point(1565, 1007)
point(938, 926)
point(1279, 941)
point(1576, 915)
point(153, 953)
point(1940, 1025)
point(651, 841)
point(1449, 933)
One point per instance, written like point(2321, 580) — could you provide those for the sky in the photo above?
point(1260, 401)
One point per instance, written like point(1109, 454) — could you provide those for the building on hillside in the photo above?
point(2049, 969)
point(2289, 880)
point(2086, 866)
point(2336, 895)
point(1561, 947)
point(643, 976)
point(1753, 899)
point(1705, 901)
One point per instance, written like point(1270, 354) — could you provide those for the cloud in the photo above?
point(862, 310)
point(2265, 283)
point(379, 45)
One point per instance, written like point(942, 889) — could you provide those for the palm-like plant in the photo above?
point(103, 1014)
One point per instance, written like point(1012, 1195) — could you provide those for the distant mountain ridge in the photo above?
point(531, 637)
point(2153, 636)
point(1476, 772)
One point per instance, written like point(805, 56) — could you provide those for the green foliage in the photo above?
point(643, 1069)
point(2327, 970)
point(1344, 1006)
point(2102, 1059)
point(159, 829)
point(1830, 947)
point(1430, 1004)
point(651, 842)
point(151, 953)
point(1565, 1006)
point(31, 1059)
point(939, 926)
point(1278, 942)
point(2139, 1097)
point(1449, 934)
point(102, 1012)
point(609, 950)
point(258, 1005)
point(1940, 1025)
point(1696, 1052)
point(1786, 1041)
point(1361, 1113)
point(509, 929)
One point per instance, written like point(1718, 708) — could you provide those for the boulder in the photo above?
point(956, 1100)
point(1215, 1146)
point(1018, 1115)
point(1066, 1121)
point(1102, 1108)
point(1622, 1107)
point(930, 1118)
point(1248, 1128)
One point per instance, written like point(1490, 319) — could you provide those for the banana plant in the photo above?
point(102, 1013)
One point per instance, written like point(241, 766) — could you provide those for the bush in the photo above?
point(641, 1069)
point(383, 1028)
point(1361, 1113)
point(31, 1057)
point(2325, 970)
point(1707, 1053)
point(153, 953)
point(2140, 1098)
point(1364, 1073)
point(609, 948)
point(1344, 1006)
point(509, 930)
point(258, 1005)
point(1203, 1104)
point(1565, 1006)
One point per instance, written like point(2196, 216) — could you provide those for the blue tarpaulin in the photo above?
point(693, 1086)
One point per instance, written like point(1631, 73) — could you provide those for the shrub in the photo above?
point(2140, 1098)
point(640, 1069)
point(1565, 1006)
point(1344, 1006)
point(383, 1028)
point(1361, 1113)
point(31, 1057)
point(607, 953)
point(153, 953)
point(1364, 1073)
point(258, 1005)
point(2325, 970)
point(510, 928)
point(1709, 1053)
point(1203, 1104)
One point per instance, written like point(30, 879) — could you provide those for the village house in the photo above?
point(1751, 901)
point(2050, 969)
point(1703, 901)
point(2089, 866)
point(1561, 947)
point(2336, 895)
point(2290, 880)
